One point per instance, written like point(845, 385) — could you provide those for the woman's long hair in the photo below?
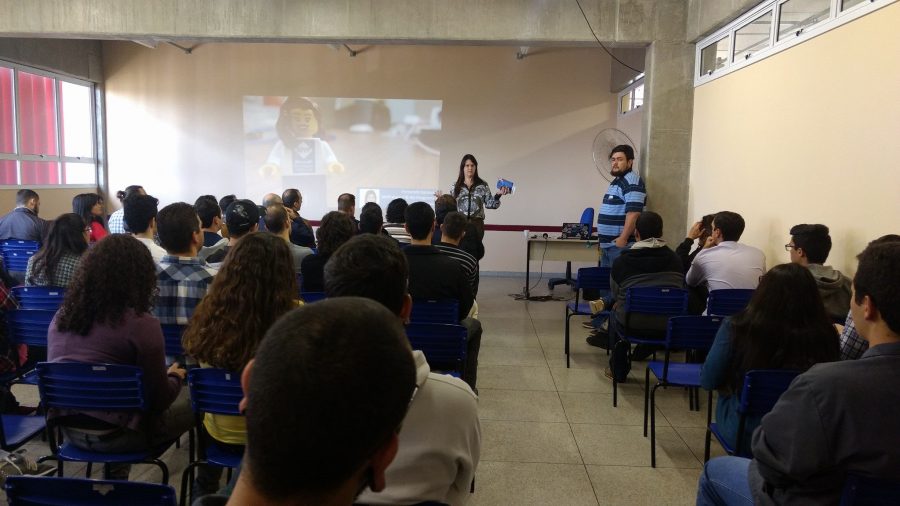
point(128, 191)
point(116, 275)
point(66, 237)
point(461, 178)
point(785, 326)
point(82, 204)
point(255, 286)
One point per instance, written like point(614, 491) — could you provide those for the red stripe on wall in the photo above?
point(500, 228)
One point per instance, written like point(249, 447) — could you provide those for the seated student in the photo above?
point(453, 231)
point(441, 438)
point(23, 221)
point(183, 278)
point(434, 275)
point(278, 223)
point(210, 214)
point(140, 218)
point(784, 327)
point(55, 263)
point(106, 319)
point(90, 207)
point(852, 344)
point(809, 247)
point(347, 205)
point(116, 222)
point(325, 398)
point(727, 264)
point(472, 240)
point(241, 218)
point(371, 219)
point(395, 216)
point(648, 262)
point(336, 229)
point(224, 202)
point(836, 419)
point(226, 329)
point(699, 232)
point(301, 231)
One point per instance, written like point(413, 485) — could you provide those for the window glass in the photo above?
point(714, 56)
point(8, 172)
point(752, 37)
point(846, 4)
point(7, 133)
point(43, 173)
point(76, 118)
point(625, 103)
point(37, 115)
point(799, 14)
point(79, 173)
point(638, 97)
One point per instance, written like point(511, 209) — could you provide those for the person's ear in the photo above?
point(255, 227)
point(245, 384)
point(637, 235)
point(870, 312)
point(443, 229)
point(406, 308)
point(380, 462)
point(406, 227)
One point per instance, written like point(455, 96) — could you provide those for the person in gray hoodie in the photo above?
point(809, 247)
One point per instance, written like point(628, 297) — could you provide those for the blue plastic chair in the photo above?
point(589, 278)
point(646, 300)
point(728, 302)
point(218, 392)
point(53, 491)
point(587, 218)
point(172, 334)
point(761, 391)
point(683, 333)
point(444, 345)
point(864, 491)
point(310, 297)
point(39, 297)
point(16, 253)
point(95, 387)
point(435, 311)
point(28, 327)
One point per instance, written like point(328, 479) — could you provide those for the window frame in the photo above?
point(60, 158)
point(836, 18)
point(630, 90)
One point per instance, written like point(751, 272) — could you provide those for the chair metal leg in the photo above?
point(646, 396)
point(708, 432)
point(653, 426)
point(163, 468)
point(615, 391)
point(106, 471)
point(88, 469)
point(568, 317)
point(706, 445)
point(186, 481)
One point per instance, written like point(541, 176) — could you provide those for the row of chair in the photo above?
point(16, 252)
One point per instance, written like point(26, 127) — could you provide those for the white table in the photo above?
point(566, 250)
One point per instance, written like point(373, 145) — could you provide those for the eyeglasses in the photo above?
point(789, 246)
point(87, 229)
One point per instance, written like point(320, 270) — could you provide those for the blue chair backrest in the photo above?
point(19, 245)
point(82, 386)
point(310, 297)
point(596, 278)
point(587, 216)
point(863, 491)
point(435, 311)
point(656, 300)
point(39, 297)
point(29, 326)
point(172, 334)
point(762, 388)
point(33, 490)
point(444, 345)
point(728, 302)
point(16, 259)
point(692, 332)
point(215, 391)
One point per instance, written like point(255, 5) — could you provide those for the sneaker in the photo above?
point(588, 324)
point(17, 463)
point(599, 339)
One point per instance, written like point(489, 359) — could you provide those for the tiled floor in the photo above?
point(550, 434)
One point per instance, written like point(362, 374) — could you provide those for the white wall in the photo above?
point(175, 120)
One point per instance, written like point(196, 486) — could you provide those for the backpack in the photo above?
point(620, 361)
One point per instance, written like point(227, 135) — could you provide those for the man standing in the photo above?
point(836, 419)
point(622, 204)
point(23, 222)
point(301, 231)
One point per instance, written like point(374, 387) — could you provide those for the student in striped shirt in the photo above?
point(452, 231)
point(622, 204)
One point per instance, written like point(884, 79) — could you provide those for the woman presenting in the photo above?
point(472, 193)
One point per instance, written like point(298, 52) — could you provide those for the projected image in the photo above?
point(377, 149)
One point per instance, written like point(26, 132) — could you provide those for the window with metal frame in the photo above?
point(47, 135)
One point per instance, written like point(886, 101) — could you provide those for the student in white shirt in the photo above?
point(727, 264)
point(140, 217)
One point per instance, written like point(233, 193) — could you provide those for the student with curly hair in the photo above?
point(245, 299)
point(337, 228)
point(104, 319)
point(55, 263)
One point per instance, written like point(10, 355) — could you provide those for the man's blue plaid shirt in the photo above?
point(182, 282)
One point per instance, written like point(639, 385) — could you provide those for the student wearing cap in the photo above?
point(241, 218)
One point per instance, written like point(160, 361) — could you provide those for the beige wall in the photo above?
point(809, 135)
point(54, 201)
point(175, 120)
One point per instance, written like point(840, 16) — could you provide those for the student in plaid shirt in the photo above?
point(183, 278)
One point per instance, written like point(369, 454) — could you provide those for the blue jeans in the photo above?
point(724, 481)
point(610, 253)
